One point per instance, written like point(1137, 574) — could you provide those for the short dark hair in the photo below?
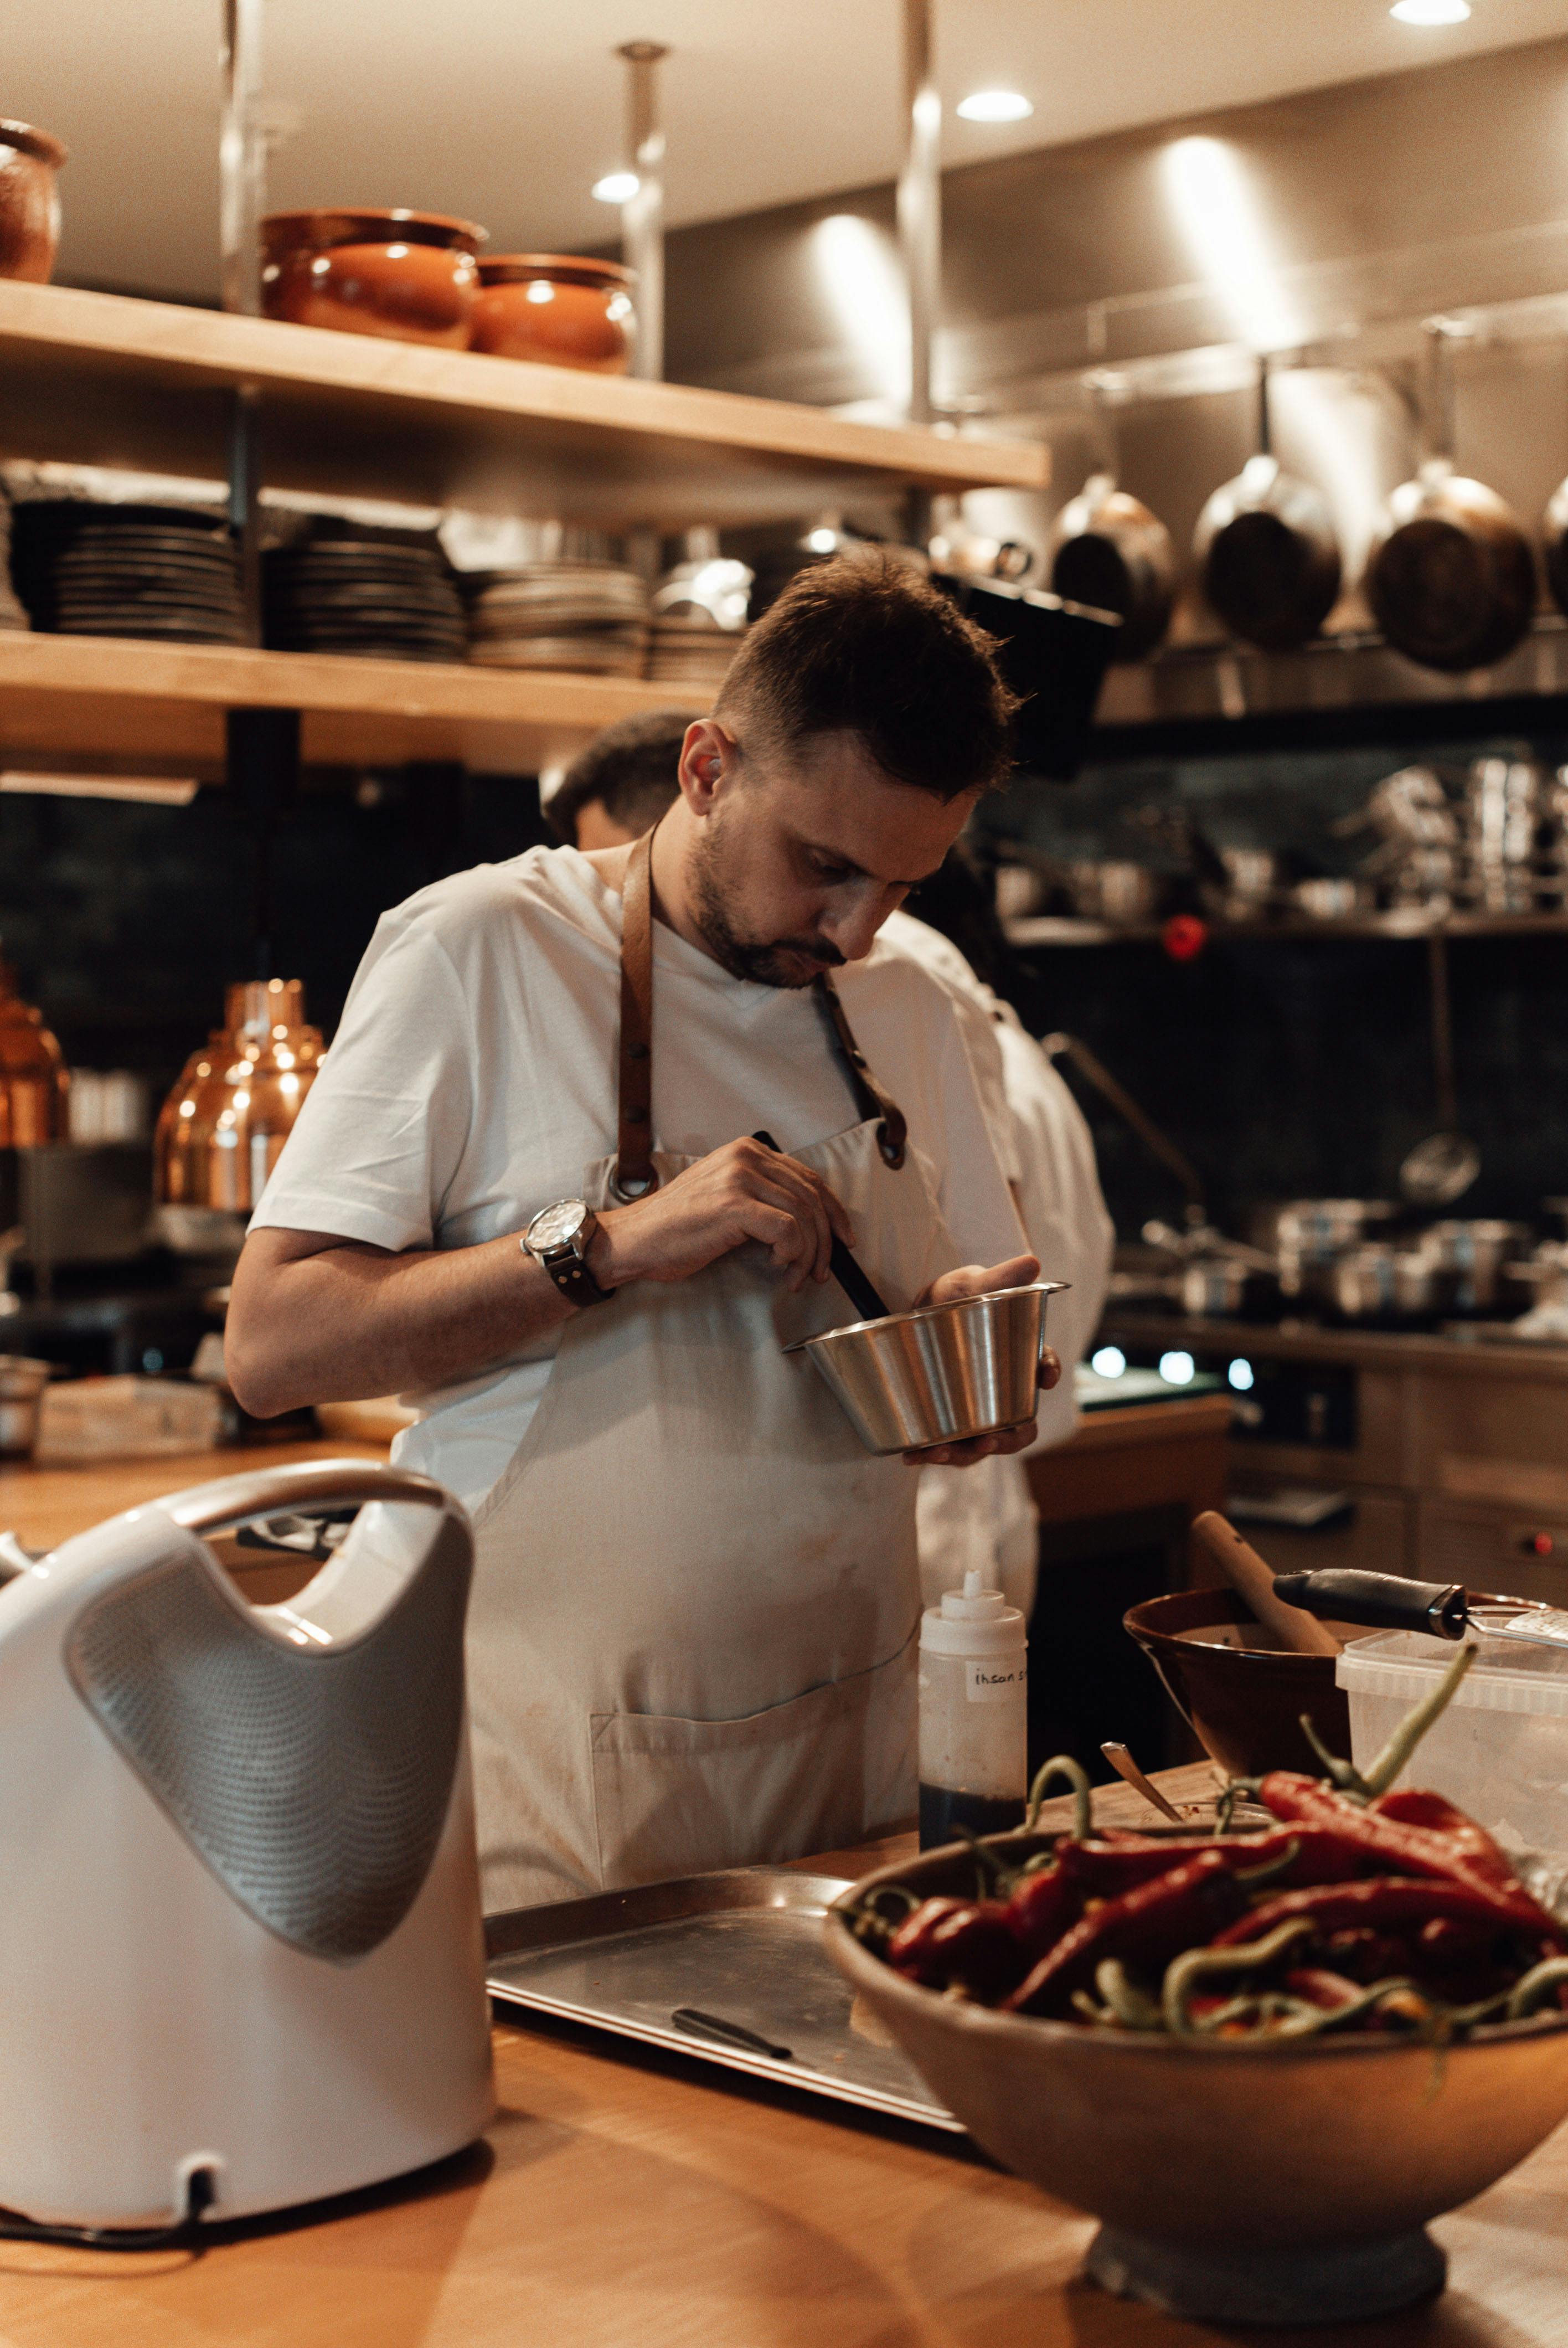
point(632, 769)
point(866, 644)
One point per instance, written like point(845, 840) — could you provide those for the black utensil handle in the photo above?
point(1382, 1601)
point(691, 2019)
point(865, 1299)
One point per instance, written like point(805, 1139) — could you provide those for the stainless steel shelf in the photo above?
point(1068, 930)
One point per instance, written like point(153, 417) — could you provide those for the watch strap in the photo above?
point(572, 1277)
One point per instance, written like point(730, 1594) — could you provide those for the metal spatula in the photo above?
point(1442, 1610)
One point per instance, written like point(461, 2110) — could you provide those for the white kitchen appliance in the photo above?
point(240, 1936)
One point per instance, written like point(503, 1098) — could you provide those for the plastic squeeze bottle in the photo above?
point(974, 1715)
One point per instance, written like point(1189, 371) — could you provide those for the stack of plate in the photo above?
point(690, 652)
point(381, 596)
point(12, 614)
point(591, 616)
point(166, 572)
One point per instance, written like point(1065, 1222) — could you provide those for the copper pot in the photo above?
point(34, 1085)
point(29, 202)
point(1451, 579)
point(223, 1127)
point(556, 308)
point(1265, 547)
point(1109, 551)
point(410, 277)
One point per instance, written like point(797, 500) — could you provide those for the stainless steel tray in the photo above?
point(742, 1947)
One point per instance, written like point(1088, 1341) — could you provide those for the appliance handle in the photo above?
point(274, 1491)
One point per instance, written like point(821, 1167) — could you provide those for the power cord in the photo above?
point(181, 2233)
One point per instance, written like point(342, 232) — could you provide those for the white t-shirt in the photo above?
point(472, 1081)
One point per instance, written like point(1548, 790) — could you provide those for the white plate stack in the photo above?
point(690, 652)
point(588, 616)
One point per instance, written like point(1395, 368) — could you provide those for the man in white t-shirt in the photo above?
point(981, 1516)
point(525, 1188)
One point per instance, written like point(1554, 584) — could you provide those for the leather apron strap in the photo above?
point(635, 1173)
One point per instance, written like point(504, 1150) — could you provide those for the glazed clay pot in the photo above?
point(551, 306)
point(29, 202)
point(410, 277)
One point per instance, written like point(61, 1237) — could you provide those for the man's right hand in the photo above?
point(741, 1192)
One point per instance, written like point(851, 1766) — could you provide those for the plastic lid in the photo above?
point(971, 1621)
point(1506, 1676)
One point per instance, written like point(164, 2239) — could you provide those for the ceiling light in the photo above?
point(1000, 105)
point(1430, 12)
point(616, 187)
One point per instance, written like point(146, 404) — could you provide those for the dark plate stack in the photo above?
point(13, 614)
point(690, 652)
point(377, 596)
point(168, 573)
point(589, 616)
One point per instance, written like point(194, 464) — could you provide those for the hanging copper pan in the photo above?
point(1266, 549)
point(1451, 579)
point(1109, 551)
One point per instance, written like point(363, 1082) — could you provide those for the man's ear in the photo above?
point(708, 756)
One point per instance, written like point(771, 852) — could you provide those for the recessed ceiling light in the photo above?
point(1430, 12)
point(995, 106)
point(616, 187)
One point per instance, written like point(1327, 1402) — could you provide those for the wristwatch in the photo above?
point(559, 1238)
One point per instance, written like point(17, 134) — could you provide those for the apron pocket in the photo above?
point(675, 1797)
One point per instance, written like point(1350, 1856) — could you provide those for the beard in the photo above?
point(781, 961)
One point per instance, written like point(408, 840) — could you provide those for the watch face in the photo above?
point(556, 1226)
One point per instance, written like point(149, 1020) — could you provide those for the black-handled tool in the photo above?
point(1441, 1610)
point(696, 2023)
point(861, 1292)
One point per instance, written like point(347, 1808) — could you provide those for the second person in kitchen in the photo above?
point(524, 1189)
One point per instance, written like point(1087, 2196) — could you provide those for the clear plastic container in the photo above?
point(1499, 1750)
point(974, 1715)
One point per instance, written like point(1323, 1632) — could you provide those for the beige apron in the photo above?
point(691, 1632)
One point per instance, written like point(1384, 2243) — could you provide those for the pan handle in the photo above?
point(1381, 1602)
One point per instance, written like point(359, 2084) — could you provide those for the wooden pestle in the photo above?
point(1253, 1581)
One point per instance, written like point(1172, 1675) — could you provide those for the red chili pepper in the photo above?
point(1320, 1987)
point(1409, 1805)
point(1105, 1869)
point(1147, 1927)
point(1393, 1903)
point(1400, 1848)
point(1043, 1907)
point(968, 1941)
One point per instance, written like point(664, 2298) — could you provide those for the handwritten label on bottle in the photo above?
point(992, 1681)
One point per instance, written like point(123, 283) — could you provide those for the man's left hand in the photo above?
point(983, 1280)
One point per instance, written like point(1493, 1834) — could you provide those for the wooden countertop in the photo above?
point(46, 1506)
point(627, 2203)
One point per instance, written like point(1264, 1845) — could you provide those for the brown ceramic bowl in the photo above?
point(29, 202)
point(554, 307)
point(1283, 2184)
point(410, 277)
point(1245, 1702)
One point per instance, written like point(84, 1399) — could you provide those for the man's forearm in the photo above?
point(341, 1322)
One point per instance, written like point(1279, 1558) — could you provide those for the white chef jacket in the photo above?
point(984, 1516)
point(436, 1121)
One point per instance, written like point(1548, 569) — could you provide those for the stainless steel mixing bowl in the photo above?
point(939, 1373)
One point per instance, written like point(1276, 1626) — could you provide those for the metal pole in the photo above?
point(921, 201)
point(643, 215)
point(241, 159)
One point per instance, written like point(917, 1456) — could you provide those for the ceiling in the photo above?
point(507, 113)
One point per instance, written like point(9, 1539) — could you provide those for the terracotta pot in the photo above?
point(410, 277)
point(1245, 1702)
point(554, 307)
point(34, 1085)
point(222, 1128)
point(29, 202)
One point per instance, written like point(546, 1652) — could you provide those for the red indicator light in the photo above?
point(1185, 937)
point(1543, 1544)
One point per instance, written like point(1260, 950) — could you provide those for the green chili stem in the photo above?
point(1415, 1725)
point(1253, 1876)
point(1129, 2003)
point(1062, 1764)
point(1184, 1972)
point(1527, 1994)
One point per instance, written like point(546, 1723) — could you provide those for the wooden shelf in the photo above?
point(112, 699)
point(97, 379)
